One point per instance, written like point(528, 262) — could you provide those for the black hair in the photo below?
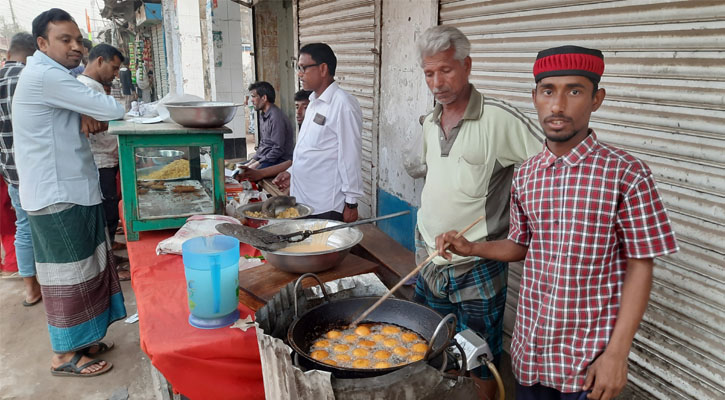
point(106, 51)
point(87, 44)
point(263, 89)
point(40, 23)
point(302, 95)
point(22, 42)
point(321, 53)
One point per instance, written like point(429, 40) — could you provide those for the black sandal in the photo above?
point(71, 369)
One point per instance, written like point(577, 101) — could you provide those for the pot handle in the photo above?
point(297, 285)
point(445, 322)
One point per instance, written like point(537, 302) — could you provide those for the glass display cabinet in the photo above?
point(168, 173)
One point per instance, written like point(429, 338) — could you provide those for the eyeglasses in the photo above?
point(303, 68)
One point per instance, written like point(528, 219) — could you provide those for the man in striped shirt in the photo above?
point(471, 144)
point(588, 220)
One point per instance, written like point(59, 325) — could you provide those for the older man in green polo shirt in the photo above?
point(471, 144)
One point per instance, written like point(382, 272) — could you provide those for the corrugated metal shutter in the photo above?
point(665, 82)
point(350, 28)
point(161, 77)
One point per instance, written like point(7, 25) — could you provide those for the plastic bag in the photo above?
point(413, 160)
point(195, 226)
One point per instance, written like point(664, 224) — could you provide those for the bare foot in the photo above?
point(32, 290)
point(60, 359)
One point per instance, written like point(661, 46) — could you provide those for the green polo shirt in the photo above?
point(469, 173)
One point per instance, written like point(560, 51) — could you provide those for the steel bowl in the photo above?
point(202, 114)
point(159, 157)
point(256, 222)
point(342, 240)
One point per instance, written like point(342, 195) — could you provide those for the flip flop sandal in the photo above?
point(70, 368)
point(32, 303)
point(102, 348)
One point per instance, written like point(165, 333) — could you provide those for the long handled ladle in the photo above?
point(410, 275)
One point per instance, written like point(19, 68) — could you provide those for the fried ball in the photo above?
point(382, 355)
point(415, 357)
point(366, 343)
point(401, 351)
point(333, 334)
point(409, 337)
point(350, 338)
point(390, 342)
point(382, 364)
point(322, 343)
point(319, 354)
point(419, 347)
point(362, 330)
point(328, 361)
point(390, 330)
point(340, 348)
point(378, 337)
point(360, 352)
point(361, 363)
point(343, 357)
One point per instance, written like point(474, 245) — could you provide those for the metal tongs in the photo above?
point(269, 241)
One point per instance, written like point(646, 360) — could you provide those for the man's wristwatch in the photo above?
point(351, 206)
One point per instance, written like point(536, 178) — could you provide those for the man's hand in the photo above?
point(606, 377)
point(91, 126)
point(282, 180)
point(460, 246)
point(349, 214)
point(250, 174)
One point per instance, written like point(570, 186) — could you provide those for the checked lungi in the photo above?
point(474, 291)
point(77, 274)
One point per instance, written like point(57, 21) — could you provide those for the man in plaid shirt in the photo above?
point(588, 220)
point(22, 45)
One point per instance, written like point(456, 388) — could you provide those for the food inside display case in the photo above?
point(174, 182)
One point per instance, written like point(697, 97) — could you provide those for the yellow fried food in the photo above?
point(362, 330)
point(340, 348)
point(322, 343)
point(333, 334)
point(289, 213)
point(319, 354)
point(409, 337)
point(360, 352)
point(378, 337)
point(390, 342)
point(390, 330)
point(255, 214)
point(176, 169)
point(401, 351)
point(343, 357)
point(419, 347)
point(382, 364)
point(350, 338)
point(415, 357)
point(366, 343)
point(328, 361)
point(382, 355)
point(361, 363)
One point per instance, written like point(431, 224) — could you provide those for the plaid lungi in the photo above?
point(474, 291)
point(77, 274)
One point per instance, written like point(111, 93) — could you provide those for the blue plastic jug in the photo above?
point(211, 266)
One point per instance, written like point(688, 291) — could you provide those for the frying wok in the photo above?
point(308, 327)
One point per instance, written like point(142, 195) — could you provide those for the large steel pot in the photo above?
point(202, 114)
point(256, 222)
point(308, 327)
point(342, 240)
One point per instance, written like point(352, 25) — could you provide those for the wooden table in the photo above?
point(134, 136)
point(259, 284)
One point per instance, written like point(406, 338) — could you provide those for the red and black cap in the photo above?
point(569, 60)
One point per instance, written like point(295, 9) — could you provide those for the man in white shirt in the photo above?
point(326, 170)
point(104, 63)
point(59, 189)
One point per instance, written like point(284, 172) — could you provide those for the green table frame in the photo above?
point(133, 135)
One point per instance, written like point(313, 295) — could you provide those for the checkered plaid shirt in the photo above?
point(581, 216)
point(9, 75)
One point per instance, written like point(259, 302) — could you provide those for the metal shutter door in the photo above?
point(350, 28)
point(665, 104)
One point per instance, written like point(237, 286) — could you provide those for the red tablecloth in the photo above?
point(200, 364)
